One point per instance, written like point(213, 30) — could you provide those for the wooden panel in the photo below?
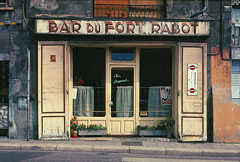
point(52, 79)
point(129, 126)
point(98, 122)
point(192, 104)
point(85, 122)
point(53, 126)
point(192, 126)
point(116, 127)
point(192, 108)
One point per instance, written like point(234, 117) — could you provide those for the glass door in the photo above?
point(122, 118)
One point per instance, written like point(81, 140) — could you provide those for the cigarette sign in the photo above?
point(192, 79)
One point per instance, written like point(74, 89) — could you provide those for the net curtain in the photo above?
point(124, 101)
point(84, 103)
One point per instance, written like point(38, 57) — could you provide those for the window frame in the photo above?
point(7, 5)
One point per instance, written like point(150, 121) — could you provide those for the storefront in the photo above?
point(122, 84)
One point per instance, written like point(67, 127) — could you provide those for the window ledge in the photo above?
point(6, 8)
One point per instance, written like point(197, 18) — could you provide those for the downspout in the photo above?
point(201, 11)
point(221, 34)
point(28, 95)
point(221, 30)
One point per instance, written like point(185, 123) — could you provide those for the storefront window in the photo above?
point(155, 82)
point(89, 82)
point(4, 84)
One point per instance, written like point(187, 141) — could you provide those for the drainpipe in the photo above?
point(201, 11)
point(221, 29)
point(28, 96)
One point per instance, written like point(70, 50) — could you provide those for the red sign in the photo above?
point(52, 58)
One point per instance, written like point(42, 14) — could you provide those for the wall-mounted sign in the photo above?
point(192, 79)
point(174, 28)
point(235, 2)
point(166, 95)
point(52, 58)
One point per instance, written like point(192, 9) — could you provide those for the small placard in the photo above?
point(52, 58)
point(143, 113)
point(192, 79)
point(74, 93)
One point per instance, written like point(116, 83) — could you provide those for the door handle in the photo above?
point(111, 104)
point(67, 92)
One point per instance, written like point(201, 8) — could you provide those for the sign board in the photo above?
point(166, 95)
point(192, 79)
point(158, 28)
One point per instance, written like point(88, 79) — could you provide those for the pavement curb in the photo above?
point(121, 149)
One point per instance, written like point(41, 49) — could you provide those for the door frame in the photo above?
point(109, 95)
point(66, 94)
point(137, 45)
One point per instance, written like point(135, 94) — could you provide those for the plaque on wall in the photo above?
point(192, 79)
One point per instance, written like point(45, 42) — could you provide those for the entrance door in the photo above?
point(122, 105)
point(4, 92)
point(53, 91)
point(192, 83)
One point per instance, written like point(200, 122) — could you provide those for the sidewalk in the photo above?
point(139, 145)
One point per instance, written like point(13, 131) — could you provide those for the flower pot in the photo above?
point(102, 132)
point(74, 134)
point(152, 133)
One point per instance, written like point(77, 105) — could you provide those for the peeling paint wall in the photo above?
point(14, 42)
point(180, 9)
point(226, 121)
point(77, 8)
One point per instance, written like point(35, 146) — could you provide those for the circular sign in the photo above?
point(192, 67)
point(192, 90)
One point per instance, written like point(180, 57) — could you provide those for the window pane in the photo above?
point(122, 92)
point(155, 82)
point(123, 54)
point(89, 82)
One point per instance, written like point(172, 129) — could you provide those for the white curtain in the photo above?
point(83, 105)
point(159, 99)
point(154, 102)
point(124, 101)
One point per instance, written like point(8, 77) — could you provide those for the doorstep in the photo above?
point(92, 139)
point(112, 138)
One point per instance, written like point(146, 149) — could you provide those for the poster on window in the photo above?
point(166, 97)
point(192, 79)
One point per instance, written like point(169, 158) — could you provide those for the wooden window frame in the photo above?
point(7, 7)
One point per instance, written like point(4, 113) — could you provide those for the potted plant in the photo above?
point(92, 130)
point(151, 131)
point(74, 126)
point(168, 125)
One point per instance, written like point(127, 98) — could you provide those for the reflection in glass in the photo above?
point(89, 82)
point(155, 82)
point(122, 92)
